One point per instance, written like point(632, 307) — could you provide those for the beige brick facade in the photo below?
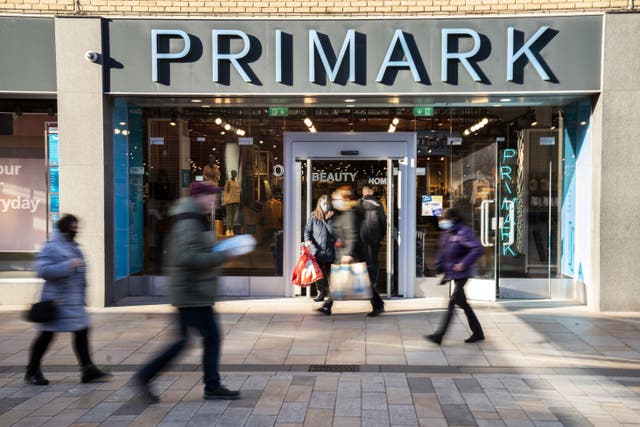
point(284, 8)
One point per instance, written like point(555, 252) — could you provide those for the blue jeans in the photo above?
point(203, 319)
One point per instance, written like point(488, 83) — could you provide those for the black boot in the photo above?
point(320, 297)
point(91, 373)
point(35, 378)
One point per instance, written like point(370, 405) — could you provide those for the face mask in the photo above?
point(338, 204)
point(445, 224)
point(324, 207)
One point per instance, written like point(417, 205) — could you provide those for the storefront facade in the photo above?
point(508, 118)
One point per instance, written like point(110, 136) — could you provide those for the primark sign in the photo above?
point(375, 57)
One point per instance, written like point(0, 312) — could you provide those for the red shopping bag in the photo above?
point(306, 270)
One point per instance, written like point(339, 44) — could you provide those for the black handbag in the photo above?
point(42, 312)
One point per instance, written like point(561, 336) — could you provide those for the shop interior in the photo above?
point(459, 164)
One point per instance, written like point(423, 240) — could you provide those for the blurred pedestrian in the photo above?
point(192, 265)
point(61, 264)
point(458, 251)
point(346, 227)
point(319, 238)
point(373, 227)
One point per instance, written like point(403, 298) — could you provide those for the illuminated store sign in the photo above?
point(367, 56)
point(319, 50)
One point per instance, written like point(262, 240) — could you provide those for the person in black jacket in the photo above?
point(372, 230)
point(346, 227)
point(458, 251)
point(319, 238)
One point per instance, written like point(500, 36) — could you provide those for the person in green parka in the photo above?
point(192, 266)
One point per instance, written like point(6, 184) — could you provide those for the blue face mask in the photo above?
point(445, 224)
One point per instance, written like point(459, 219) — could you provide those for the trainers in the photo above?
point(145, 392)
point(36, 379)
point(92, 373)
point(325, 310)
point(474, 338)
point(319, 298)
point(434, 338)
point(221, 393)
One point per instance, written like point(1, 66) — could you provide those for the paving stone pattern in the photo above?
point(543, 364)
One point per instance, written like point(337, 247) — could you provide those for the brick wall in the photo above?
point(285, 8)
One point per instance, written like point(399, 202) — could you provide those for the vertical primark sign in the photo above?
point(434, 56)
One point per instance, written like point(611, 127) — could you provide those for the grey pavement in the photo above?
point(544, 363)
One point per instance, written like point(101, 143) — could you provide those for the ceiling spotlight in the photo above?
point(308, 122)
point(227, 126)
point(172, 120)
point(350, 100)
point(239, 132)
point(218, 121)
point(312, 129)
point(195, 101)
point(583, 123)
point(395, 121)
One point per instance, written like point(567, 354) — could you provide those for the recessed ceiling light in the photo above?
point(505, 99)
point(349, 100)
point(206, 106)
point(350, 105)
point(196, 100)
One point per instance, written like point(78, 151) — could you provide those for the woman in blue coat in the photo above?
point(319, 238)
point(62, 266)
point(458, 251)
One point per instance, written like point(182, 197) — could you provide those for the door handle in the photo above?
point(484, 223)
point(512, 224)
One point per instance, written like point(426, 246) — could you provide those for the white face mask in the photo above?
point(339, 204)
point(324, 207)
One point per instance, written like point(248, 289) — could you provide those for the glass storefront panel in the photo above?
point(27, 128)
point(501, 165)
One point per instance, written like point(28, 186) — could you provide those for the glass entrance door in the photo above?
point(319, 177)
point(508, 190)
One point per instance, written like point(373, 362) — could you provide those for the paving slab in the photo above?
point(542, 364)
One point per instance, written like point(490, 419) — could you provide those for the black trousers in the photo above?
point(460, 299)
point(203, 320)
point(323, 284)
point(372, 258)
point(41, 344)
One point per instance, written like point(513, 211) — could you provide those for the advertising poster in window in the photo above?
point(431, 205)
point(22, 204)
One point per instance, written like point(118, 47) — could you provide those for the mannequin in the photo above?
point(231, 197)
point(212, 172)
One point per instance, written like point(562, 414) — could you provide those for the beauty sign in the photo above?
point(22, 204)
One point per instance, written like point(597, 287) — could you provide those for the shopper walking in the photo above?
point(320, 239)
point(346, 227)
point(61, 264)
point(458, 251)
point(192, 266)
point(373, 227)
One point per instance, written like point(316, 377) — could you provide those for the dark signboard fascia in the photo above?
point(28, 55)
point(550, 54)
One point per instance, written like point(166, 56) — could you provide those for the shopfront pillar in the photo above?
point(83, 153)
point(615, 164)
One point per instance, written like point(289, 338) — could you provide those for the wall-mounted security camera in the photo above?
point(92, 56)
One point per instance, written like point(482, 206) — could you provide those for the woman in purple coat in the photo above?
point(458, 251)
